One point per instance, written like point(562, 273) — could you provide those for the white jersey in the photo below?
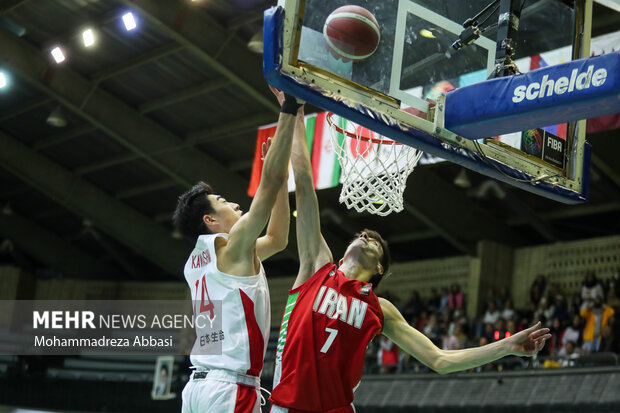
point(245, 311)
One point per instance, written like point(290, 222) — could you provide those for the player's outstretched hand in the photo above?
point(279, 95)
point(265, 148)
point(529, 341)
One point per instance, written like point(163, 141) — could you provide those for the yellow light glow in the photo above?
point(295, 213)
point(427, 33)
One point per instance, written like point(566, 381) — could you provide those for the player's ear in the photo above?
point(209, 220)
point(379, 268)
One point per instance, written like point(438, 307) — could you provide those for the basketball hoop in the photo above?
point(374, 168)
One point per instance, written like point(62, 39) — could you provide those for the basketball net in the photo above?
point(374, 169)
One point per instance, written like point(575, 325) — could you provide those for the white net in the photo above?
point(374, 169)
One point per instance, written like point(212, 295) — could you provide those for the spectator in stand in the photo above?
point(511, 328)
point(526, 315)
point(388, 356)
point(508, 313)
point(492, 297)
point(446, 318)
point(555, 342)
point(456, 301)
point(574, 333)
point(500, 329)
point(545, 311)
point(460, 335)
point(414, 306)
point(421, 322)
point(612, 298)
point(591, 288)
point(492, 314)
point(614, 284)
point(489, 332)
point(443, 302)
point(597, 316)
point(568, 354)
point(432, 330)
point(608, 341)
point(449, 341)
point(503, 298)
point(561, 310)
point(554, 292)
point(538, 289)
point(575, 305)
point(434, 301)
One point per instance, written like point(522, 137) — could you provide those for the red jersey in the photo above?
point(327, 324)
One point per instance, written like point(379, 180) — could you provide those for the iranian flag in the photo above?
point(325, 165)
point(264, 133)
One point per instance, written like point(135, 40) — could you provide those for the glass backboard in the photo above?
point(403, 83)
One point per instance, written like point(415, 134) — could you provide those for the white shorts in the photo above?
point(220, 395)
point(278, 409)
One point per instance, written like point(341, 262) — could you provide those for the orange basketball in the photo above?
point(351, 33)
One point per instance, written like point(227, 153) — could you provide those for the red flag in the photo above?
point(264, 133)
point(602, 123)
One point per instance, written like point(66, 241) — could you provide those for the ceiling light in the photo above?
point(56, 118)
point(58, 55)
point(3, 80)
point(256, 42)
point(7, 210)
point(129, 21)
point(88, 36)
point(462, 180)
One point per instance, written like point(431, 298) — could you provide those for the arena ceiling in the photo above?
point(152, 111)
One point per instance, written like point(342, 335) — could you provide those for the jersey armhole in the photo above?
point(311, 279)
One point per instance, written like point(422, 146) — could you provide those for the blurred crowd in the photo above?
point(581, 324)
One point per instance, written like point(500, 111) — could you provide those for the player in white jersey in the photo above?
point(227, 280)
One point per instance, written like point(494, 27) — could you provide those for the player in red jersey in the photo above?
point(332, 314)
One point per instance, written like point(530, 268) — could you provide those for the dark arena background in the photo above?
point(110, 109)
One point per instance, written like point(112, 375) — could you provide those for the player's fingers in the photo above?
point(533, 328)
point(265, 148)
point(539, 333)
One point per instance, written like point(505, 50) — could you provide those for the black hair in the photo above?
point(385, 261)
point(192, 206)
point(164, 367)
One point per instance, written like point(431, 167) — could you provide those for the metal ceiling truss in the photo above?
point(433, 200)
point(132, 130)
point(116, 219)
point(204, 36)
point(51, 250)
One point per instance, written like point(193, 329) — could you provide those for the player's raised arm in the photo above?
point(276, 238)
point(313, 250)
point(245, 232)
point(525, 343)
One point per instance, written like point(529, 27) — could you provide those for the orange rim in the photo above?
point(354, 136)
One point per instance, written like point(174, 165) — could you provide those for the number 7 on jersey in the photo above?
point(330, 339)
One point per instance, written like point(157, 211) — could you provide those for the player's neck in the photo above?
point(354, 270)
